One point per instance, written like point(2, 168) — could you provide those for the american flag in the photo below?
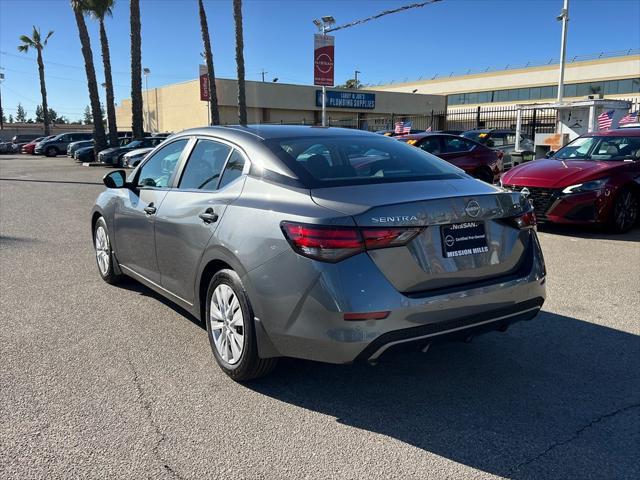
point(629, 118)
point(605, 119)
point(403, 127)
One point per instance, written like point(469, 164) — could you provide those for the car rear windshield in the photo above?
point(355, 160)
point(601, 148)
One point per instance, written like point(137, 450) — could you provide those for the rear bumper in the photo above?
point(301, 306)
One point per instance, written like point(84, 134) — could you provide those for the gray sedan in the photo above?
point(319, 243)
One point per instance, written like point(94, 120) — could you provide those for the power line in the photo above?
point(382, 14)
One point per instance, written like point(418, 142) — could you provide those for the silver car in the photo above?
point(365, 245)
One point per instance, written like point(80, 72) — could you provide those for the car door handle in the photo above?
point(208, 216)
point(150, 209)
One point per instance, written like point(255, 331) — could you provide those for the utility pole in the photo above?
point(1, 111)
point(263, 74)
point(355, 74)
point(147, 72)
point(564, 18)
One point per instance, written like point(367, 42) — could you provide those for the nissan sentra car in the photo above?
point(283, 253)
point(594, 180)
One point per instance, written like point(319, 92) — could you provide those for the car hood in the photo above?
point(138, 151)
point(84, 150)
point(551, 173)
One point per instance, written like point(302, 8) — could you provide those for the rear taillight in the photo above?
point(526, 220)
point(332, 244)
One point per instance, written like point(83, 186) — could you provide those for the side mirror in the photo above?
point(550, 154)
point(115, 179)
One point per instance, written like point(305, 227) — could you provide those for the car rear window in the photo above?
point(355, 160)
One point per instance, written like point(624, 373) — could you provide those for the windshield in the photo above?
point(480, 137)
point(134, 144)
point(338, 160)
point(601, 148)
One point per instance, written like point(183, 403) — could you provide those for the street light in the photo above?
point(564, 18)
point(146, 72)
point(323, 24)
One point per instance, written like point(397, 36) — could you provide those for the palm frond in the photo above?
point(36, 35)
point(23, 48)
point(46, 39)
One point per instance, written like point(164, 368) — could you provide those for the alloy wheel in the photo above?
point(103, 254)
point(626, 210)
point(227, 324)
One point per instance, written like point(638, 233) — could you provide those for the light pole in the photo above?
point(323, 24)
point(146, 73)
point(564, 18)
point(355, 75)
point(1, 111)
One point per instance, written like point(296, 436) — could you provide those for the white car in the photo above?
point(134, 157)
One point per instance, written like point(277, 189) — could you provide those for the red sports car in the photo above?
point(31, 146)
point(475, 159)
point(593, 180)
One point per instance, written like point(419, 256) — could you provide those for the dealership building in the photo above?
point(178, 106)
point(612, 75)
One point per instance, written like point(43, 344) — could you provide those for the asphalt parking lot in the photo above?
point(104, 381)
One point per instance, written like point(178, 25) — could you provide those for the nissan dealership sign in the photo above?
point(323, 58)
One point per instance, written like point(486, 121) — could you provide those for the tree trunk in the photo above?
point(111, 109)
point(43, 92)
point(94, 97)
point(213, 94)
point(137, 121)
point(242, 102)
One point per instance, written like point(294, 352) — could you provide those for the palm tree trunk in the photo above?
point(94, 97)
point(213, 94)
point(111, 109)
point(137, 121)
point(43, 91)
point(242, 102)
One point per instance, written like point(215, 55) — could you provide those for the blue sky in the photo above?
point(453, 35)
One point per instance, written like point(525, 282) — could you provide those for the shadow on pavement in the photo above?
point(539, 401)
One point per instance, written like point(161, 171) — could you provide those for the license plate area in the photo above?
point(461, 239)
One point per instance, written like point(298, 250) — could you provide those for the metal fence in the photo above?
point(534, 120)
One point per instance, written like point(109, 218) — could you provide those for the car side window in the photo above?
point(455, 144)
point(204, 166)
point(157, 171)
point(233, 170)
point(431, 145)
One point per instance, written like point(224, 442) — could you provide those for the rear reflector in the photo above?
point(354, 317)
point(526, 220)
point(332, 244)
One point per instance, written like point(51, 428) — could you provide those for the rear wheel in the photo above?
point(624, 213)
point(51, 152)
point(231, 330)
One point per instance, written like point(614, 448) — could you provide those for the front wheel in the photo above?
point(104, 254)
point(624, 213)
point(231, 329)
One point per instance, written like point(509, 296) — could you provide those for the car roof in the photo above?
point(266, 132)
point(616, 132)
point(418, 136)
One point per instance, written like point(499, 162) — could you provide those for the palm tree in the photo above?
point(242, 102)
point(213, 94)
point(137, 124)
point(98, 127)
point(35, 41)
point(99, 9)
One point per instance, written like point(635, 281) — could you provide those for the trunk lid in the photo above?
point(424, 264)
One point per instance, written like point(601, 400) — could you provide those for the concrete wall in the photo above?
point(614, 68)
point(176, 107)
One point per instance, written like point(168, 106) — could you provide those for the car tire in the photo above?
point(624, 212)
point(231, 329)
point(485, 175)
point(104, 254)
point(51, 152)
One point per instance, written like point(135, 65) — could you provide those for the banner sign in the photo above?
point(323, 57)
point(204, 83)
point(363, 101)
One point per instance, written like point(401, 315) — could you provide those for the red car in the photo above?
point(475, 159)
point(31, 146)
point(593, 180)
